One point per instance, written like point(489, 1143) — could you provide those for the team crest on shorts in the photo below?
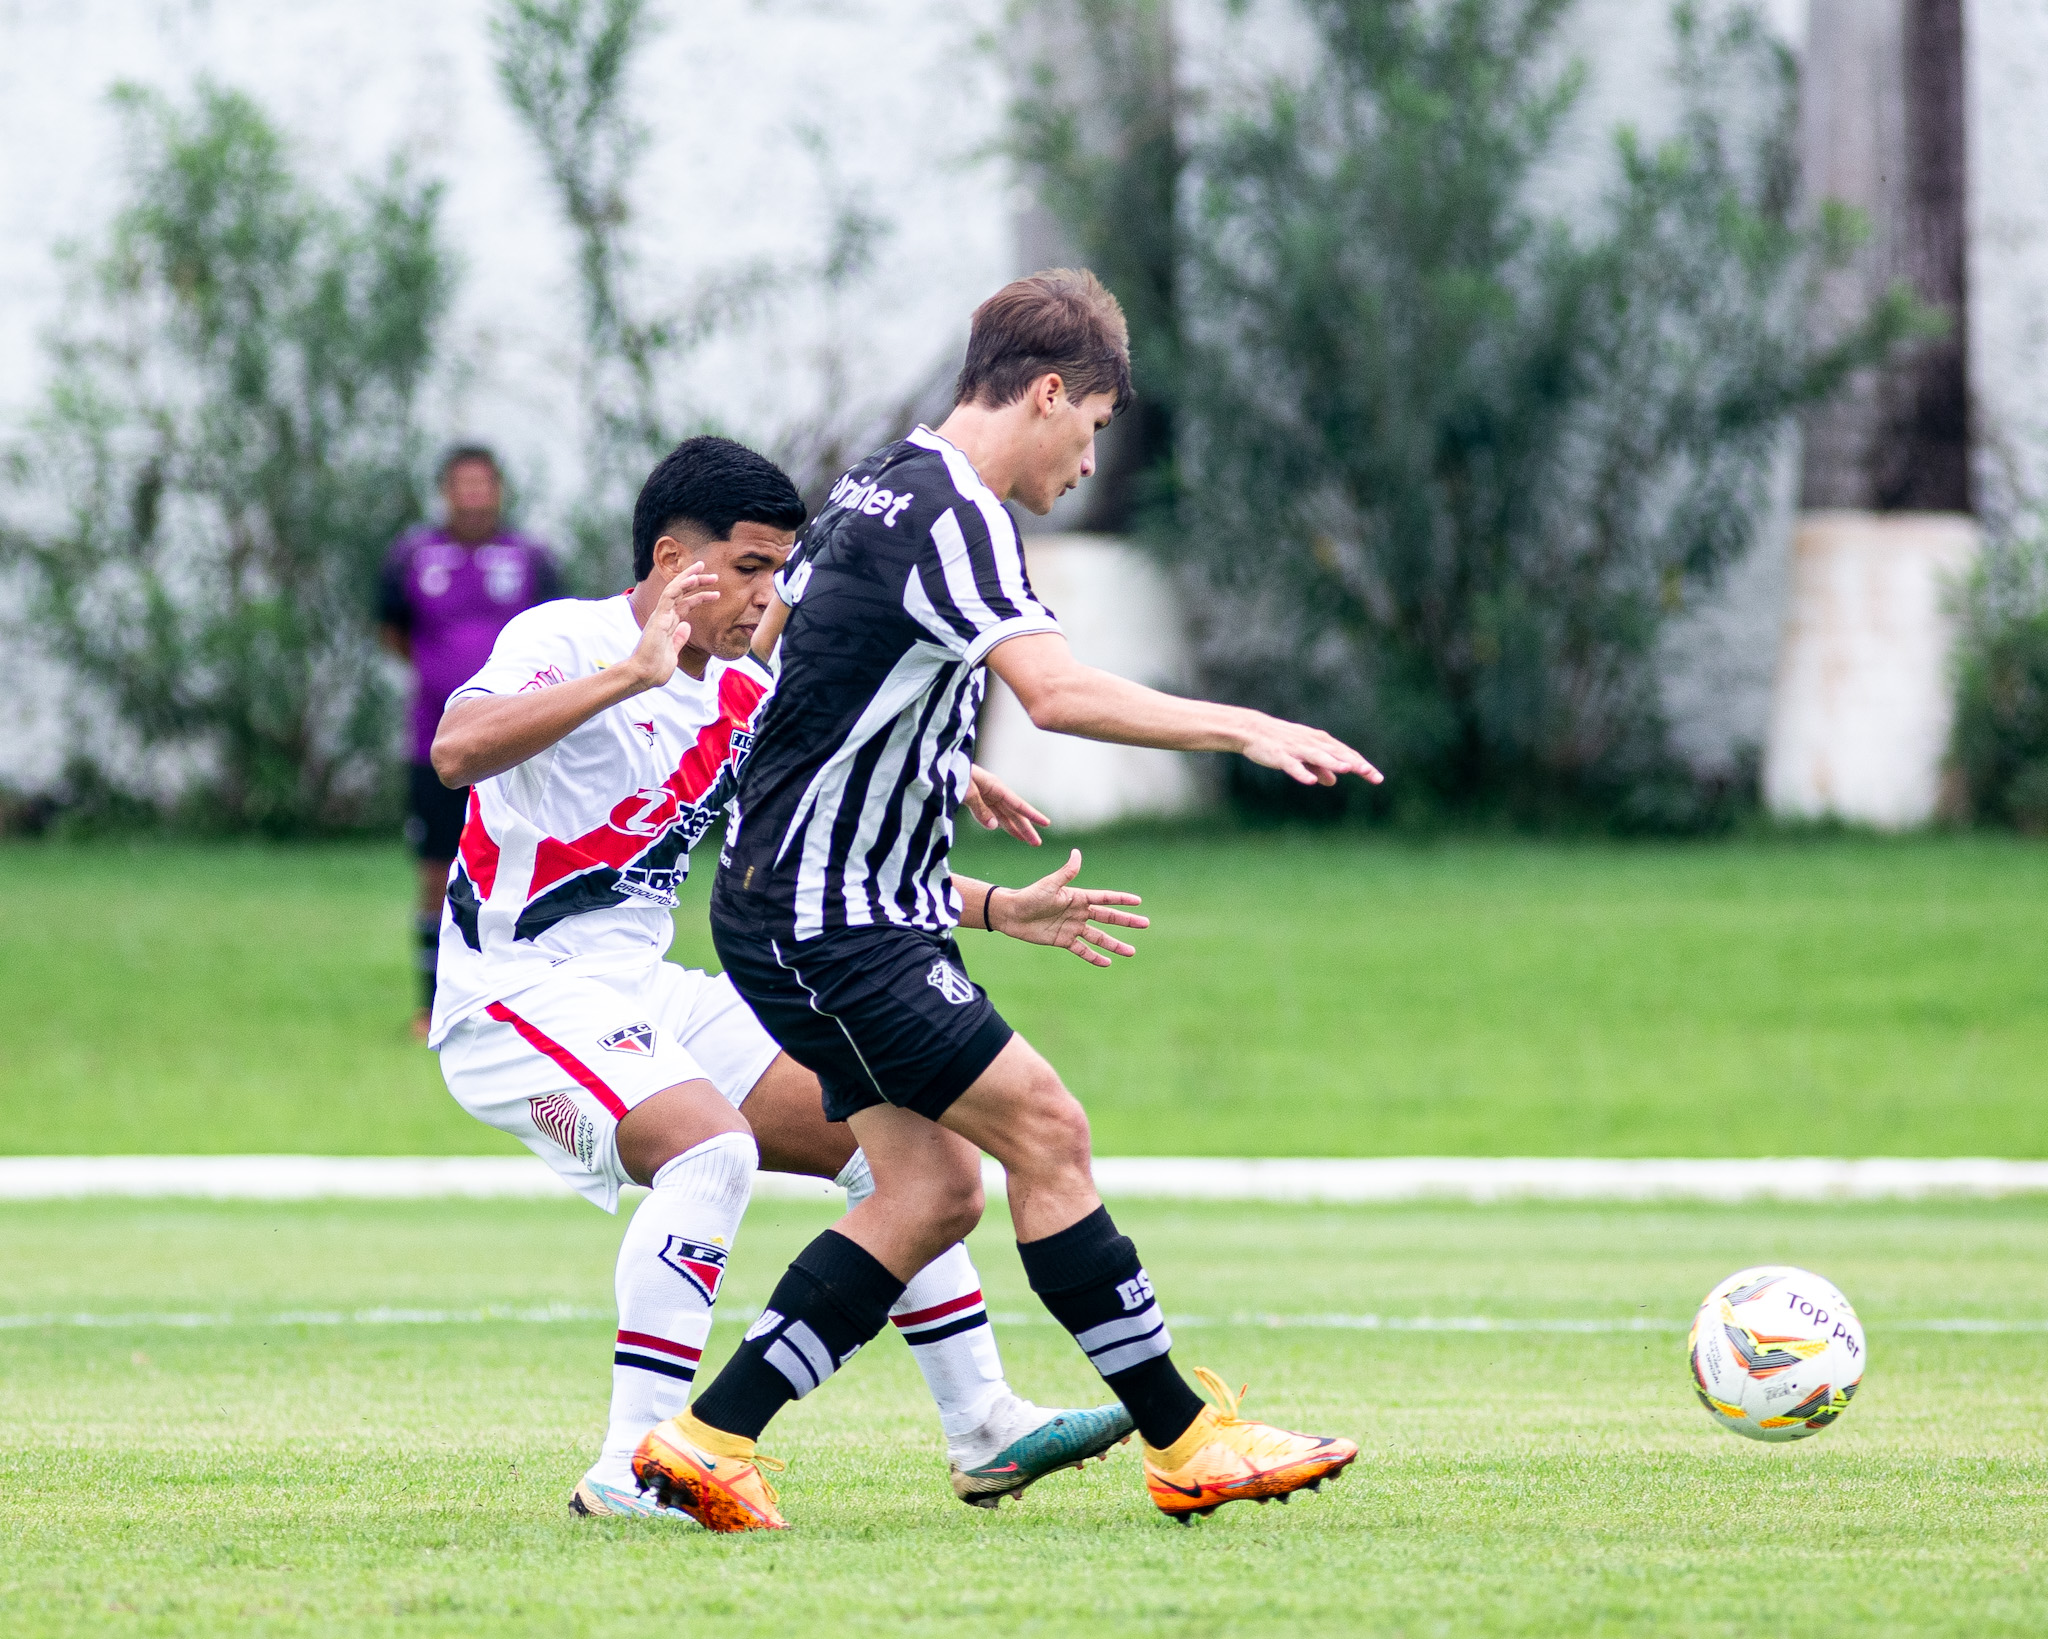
point(557, 1116)
point(701, 1265)
point(637, 1039)
point(950, 982)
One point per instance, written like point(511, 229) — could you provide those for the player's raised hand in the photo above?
point(1304, 754)
point(667, 630)
point(1052, 911)
point(996, 805)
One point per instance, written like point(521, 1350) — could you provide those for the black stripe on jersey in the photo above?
point(898, 590)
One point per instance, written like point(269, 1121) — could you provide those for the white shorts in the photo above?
point(559, 1064)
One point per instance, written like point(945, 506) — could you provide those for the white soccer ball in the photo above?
point(1777, 1353)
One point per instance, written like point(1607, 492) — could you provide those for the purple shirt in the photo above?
point(451, 601)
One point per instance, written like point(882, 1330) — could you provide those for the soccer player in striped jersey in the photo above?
point(603, 738)
point(836, 908)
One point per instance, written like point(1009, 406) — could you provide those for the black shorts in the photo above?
point(879, 1015)
point(433, 813)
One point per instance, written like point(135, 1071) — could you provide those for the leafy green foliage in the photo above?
point(231, 434)
point(2000, 749)
point(1461, 459)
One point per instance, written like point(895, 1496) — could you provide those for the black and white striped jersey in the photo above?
point(906, 579)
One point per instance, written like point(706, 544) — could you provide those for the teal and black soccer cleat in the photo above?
point(1031, 1443)
point(592, 1499)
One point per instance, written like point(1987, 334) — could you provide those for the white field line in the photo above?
point(1408, 1178)
point(555, 1314)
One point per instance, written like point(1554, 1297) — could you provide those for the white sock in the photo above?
point(942, 1318)
point(670, 1266)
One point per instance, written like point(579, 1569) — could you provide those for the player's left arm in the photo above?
point(1063, 696)
point(1052, 911)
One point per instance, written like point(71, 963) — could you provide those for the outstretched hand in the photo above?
point(667, 631)
point(1054, 912)
point(1306, 755)
point(997, 806)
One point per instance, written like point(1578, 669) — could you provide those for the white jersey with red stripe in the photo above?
point(570, 863)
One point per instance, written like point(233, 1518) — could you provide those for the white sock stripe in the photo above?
point(1114, 1331)
point(1133, 1353)
point(788, 1362)
point(813, 1347)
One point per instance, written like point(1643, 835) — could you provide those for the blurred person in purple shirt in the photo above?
point(444, 596)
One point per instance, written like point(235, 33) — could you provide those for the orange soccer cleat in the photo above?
point(1224, 1458)
point(712, 1476)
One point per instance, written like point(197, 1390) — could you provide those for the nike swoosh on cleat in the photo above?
point(1007, 1468)
point(1182, 1490)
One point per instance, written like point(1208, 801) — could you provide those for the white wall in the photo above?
point(906, 98)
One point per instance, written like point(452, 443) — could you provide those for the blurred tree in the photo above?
point(1445, 465)
point(230, 437)
point(566, 67)
point(1097, 125)
point(2000, 749)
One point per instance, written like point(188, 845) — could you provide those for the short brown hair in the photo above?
point(1062, 321)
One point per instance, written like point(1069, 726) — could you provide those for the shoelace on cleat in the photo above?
point(1265, 1441)
point(774, 1465)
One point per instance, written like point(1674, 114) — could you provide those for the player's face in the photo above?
point(473, 493)
point(1064, 450)
point(745, 566)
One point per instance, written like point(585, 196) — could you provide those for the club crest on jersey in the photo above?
point(950, 982)
point(645, 728)
point(701, 1265)
point(637, 1039)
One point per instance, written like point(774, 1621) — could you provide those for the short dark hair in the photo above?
point(1062, 320)
point(468, 452)
point(711, 484)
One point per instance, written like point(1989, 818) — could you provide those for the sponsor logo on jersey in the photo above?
point(645, 728)
point(646, 813)
point(546, 678)
point(702, 1265)
point(655, 885)
point(860, 495)
point(637, 1039)
point(950, 982)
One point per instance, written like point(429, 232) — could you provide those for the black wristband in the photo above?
point(987, 900)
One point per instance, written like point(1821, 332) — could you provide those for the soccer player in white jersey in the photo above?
point(603, 738)
point(836, 912)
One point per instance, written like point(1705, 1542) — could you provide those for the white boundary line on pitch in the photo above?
point(1194, 1178)
point(555, 1314)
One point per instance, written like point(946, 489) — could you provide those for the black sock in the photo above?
point(429, 930)
point(831, 1301)
point(1090, 1278)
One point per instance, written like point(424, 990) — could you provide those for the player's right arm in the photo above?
point(483, 735)
point(1065, 697)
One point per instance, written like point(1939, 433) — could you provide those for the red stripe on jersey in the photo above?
point(583, 1075)
point(479, 852)
point(647, 1340)
point(636, 821)
point(938, 1311)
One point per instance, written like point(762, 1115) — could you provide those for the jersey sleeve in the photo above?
point(969, 588)
point(532, 652)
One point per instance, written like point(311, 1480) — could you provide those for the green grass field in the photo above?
point(1297, 995)
point(406, 1474)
